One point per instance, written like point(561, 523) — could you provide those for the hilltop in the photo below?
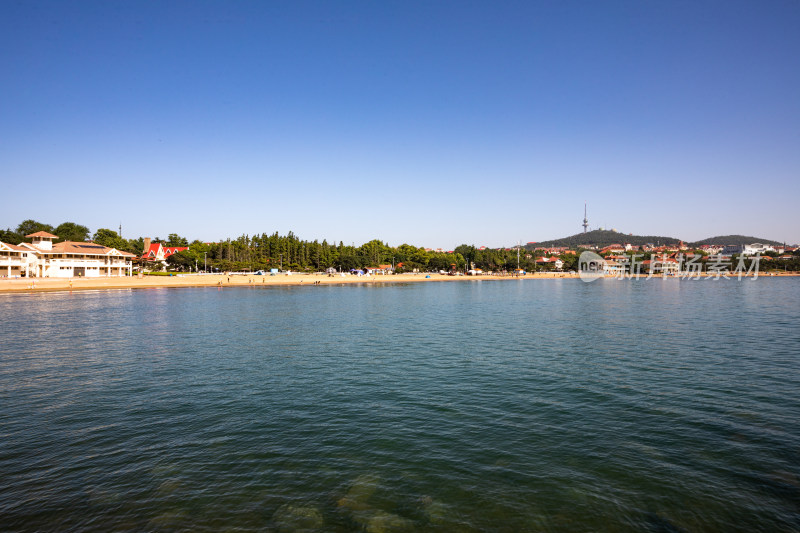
point(734, 239)
point(603, 238)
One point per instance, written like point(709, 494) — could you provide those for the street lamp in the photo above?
point(205, 255)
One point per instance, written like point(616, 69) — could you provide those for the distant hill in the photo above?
point(734, 239)
point(604, 238)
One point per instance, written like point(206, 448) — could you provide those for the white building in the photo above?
point(43, 259)
point(747, 249)
point(613, 267)
point(664, 265)
point(15, 260)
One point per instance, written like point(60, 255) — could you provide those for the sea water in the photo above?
point(531, 405)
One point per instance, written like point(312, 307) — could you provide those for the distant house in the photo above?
point(380, 269)
point(711, 249)
point(664, 265)
point(613, 267)
point(557, 263)
point(613, 249)
point(553, 250)
point(158, 252)
point(42, 259)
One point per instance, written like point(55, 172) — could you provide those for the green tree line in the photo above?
point(289, 252)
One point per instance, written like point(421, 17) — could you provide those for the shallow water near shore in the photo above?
point(537, 405)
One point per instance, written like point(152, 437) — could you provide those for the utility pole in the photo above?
point(205, 257)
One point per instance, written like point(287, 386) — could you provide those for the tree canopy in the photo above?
point(173, 239)
point(26, 227)
point(70, 231)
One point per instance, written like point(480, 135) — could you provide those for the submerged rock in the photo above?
point(297, 518)
point(437, 512)
point(383, 522)
point(357, 497)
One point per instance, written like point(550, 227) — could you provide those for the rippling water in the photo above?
point(535, 405)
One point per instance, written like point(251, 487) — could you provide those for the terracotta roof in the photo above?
point(80, 248)
point(43, 234)
point(13, 247)
point(87, 248)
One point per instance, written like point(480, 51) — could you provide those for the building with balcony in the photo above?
point(15, 261)
point(42, 259)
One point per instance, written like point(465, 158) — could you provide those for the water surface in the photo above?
point(533, 405)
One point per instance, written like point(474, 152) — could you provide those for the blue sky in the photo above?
point(431, 123)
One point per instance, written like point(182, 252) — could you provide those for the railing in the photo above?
point(86, 262)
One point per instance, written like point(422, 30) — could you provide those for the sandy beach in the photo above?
point(239, 280)
point(236, 280)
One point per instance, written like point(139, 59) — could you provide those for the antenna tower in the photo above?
point(585, 220)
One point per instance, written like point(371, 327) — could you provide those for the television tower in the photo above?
point(585, 220)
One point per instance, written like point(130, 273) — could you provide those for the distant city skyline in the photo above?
point(431, 124)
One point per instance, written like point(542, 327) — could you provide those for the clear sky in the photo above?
point(433, 123)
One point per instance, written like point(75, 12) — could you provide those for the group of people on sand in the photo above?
point(249, 281)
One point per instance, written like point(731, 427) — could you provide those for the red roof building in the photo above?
point(158, 252)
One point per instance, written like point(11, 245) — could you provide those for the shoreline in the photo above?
point(24, 285)
point(30, 285)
